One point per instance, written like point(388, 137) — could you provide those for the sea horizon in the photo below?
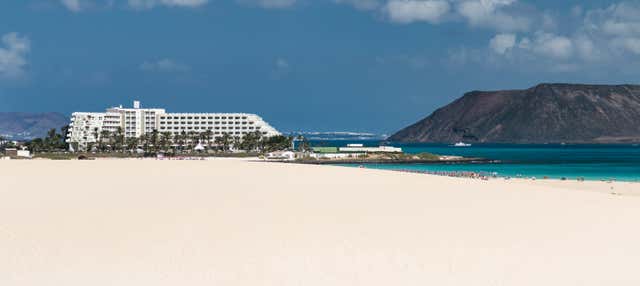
point(596, 162)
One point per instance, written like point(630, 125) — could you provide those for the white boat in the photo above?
point(461, 144)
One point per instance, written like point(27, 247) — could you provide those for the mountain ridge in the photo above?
point(545, 113)
point(26, 126)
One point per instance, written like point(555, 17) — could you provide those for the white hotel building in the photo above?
point(137, 121)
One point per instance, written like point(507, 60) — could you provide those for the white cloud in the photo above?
point(82, 5)
point(164, 65)
point(269, 4)
point(599, 39)
point(13, 52)
point(280, 70)
point(551, 45)
point(407, 11)
point(500, 15)
point(148, 4)
point(282, 63)
point(361, 4)
point(501, 43)
point(489, 13)
point(73, 5)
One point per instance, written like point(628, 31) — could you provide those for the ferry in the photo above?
point(461, 144)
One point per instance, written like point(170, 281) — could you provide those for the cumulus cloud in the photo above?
point(73, 5)
point(164, 65)
point(490, 13)
point(281, 69)
point(282, 63)
point(82, 5)
point(270, 4)
point(501, 43)
point(500, 15)
point(595, 39)
point(13, 52)
point(549, 45)
point(361, 4)
point(148, 4)
point(407, 11)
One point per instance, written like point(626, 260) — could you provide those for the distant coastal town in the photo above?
point(153, 132)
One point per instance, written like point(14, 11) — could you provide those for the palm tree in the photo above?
point(132, 143)
point(251, 141)
point(223, 141)
point(144, 141)
point(155, 140)
point(104, 136)
point(194, 137)
point(165, 140)
point(49, 142)
point(207, 137)
point(120, 139)
point(276, 143)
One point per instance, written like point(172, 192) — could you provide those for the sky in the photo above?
point(321, 65)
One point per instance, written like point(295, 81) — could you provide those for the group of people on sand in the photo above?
point(456, 174)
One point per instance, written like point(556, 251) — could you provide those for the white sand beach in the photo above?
point(233, 222)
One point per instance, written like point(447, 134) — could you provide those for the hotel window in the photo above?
point(209, 128)
point(237, 132)
point(196, 127)
point(217, 132)
point(189, 117)
point(217, 128)
point(244, 117)
point(203, 122)
point(190, 127)
point(217, 117)
point(182, 117)
point(224, 117)
point(210, 122)
point(237, 117)
point(210, 117)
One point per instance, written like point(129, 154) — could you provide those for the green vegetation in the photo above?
point(53, 142)
point(115, 144)
point(325, 149)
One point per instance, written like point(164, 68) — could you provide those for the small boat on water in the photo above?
point(461, 144)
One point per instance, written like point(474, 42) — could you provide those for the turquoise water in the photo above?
point(592, 162)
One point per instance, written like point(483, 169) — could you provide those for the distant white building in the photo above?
point(14, 152)
point(281, 155)
point(359, 148)
point(86, 127)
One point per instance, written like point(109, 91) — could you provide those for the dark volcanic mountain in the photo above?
point(547, 113)
point(24, 126)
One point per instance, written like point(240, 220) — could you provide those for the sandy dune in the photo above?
point(230, 222)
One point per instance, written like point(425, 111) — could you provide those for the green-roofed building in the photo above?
point(325, 149)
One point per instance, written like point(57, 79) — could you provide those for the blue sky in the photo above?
point(332, 65)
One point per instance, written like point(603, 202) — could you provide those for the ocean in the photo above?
point(591, 162)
